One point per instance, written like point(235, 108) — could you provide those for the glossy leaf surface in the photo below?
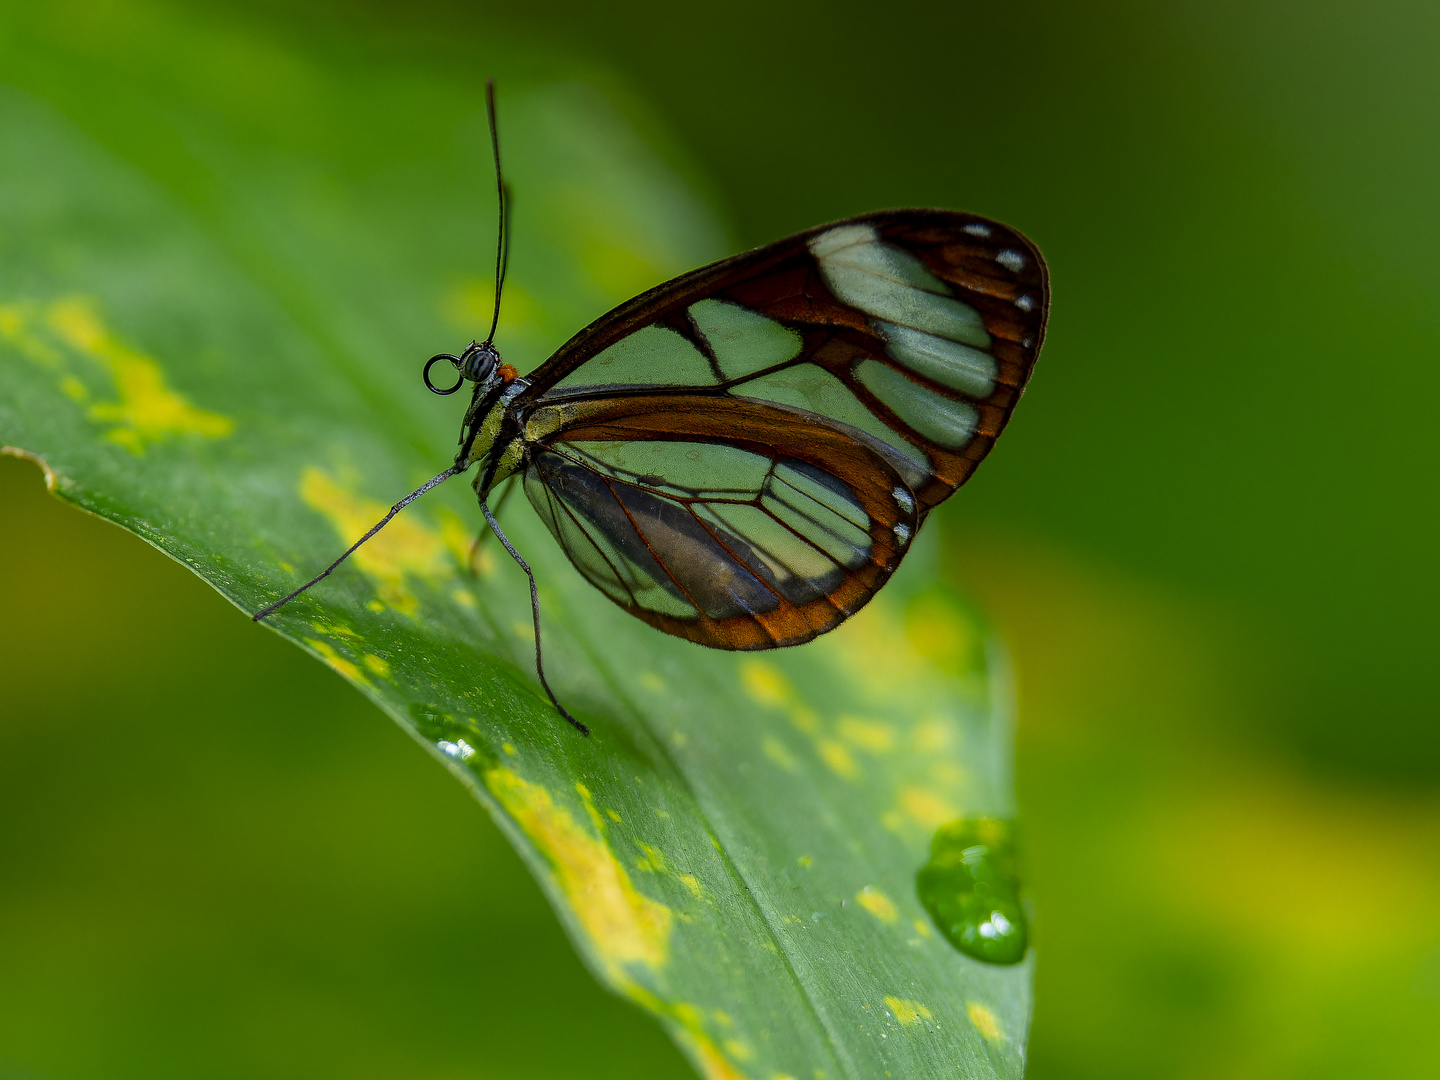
point(218, 279)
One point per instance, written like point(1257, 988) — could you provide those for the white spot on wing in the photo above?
point(1025, 302)
point(903, 498)
point(977, 229)
point(1011, 259)
point(902, 534)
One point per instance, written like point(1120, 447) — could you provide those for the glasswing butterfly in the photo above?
point(742, 455)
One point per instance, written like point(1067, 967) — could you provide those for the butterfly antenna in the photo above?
point(535, 608)
point(406, 501)
point(502, 235)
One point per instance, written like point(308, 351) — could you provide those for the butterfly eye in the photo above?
point(479, 363)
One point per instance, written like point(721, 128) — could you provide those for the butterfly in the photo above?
point(742, 455)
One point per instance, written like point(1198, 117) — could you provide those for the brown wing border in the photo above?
point(774, 431)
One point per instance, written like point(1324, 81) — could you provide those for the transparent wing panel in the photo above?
point(678, 468)
point(940, 419)
point(889, 283)
point(800, 570)
point(948, 363)
point(651, 356)
point(587, 557)
point(684, 528)
point(586, 506)
point(743, 341)
point(812, 388)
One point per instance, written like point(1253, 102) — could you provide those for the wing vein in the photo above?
point(579, 524)
point(649, 546)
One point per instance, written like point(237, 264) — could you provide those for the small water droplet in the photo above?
point(971, 890)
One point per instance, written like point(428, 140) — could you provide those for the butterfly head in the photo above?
point(479, 363)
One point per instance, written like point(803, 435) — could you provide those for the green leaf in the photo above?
point(226, 252)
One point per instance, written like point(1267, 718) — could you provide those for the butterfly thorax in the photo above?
point(491, 434)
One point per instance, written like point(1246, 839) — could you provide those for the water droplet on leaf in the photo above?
point(971, 889)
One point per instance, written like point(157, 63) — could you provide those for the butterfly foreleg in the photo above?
point(270, 609)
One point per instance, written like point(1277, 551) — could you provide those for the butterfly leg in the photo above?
point(480, 536)
point(269, 609)
point(535, 609)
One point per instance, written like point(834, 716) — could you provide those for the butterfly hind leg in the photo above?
point(470, 564)
point(535, 610)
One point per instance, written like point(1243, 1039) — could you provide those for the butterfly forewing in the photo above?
point(740, 455)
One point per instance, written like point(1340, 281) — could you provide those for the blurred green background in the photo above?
point(1207, 534)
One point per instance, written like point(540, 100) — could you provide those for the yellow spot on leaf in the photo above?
point(508, 748)
point(464, 597)
point(624, 926)
point(737, 1049)
point(869, 735)
point(147, 409)
point(403, 548)
point(926, 808)
point(877, 903)
point(804, 718)
point(333, 629)
point(335, 660)
point(652, 682)
point(775, 750)
point(768, 685)
point(906, 1012)
point(594, 814)
point(15, 328)
point(984, 1020)
point(12, 326)
point(838, 758)
point(655, 857)
point(713, 1064)
point(457, 536)
point(805, 860)
point(932, 735)
point(765, 683)
point(611, 814)
point(922, 928)
point(691, 882)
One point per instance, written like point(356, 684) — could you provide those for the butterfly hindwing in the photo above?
point(869, 365)
point(736, 524)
